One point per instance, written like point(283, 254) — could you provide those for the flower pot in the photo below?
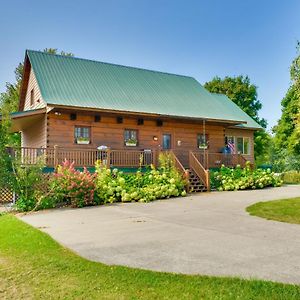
point(130, 144)
point(83, 142)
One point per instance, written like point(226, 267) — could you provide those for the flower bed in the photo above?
point(71, 187)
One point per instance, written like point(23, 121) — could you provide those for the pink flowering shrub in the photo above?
point(72, 187)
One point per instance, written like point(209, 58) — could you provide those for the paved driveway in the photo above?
point(208, 233)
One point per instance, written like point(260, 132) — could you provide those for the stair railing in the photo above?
point(200, 171)
point(181, 169)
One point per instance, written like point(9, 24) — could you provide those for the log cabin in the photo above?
point(83, 110)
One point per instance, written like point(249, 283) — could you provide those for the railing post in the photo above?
point(55, 158)
point(108, 153)
point(157, 157)
point(208, 180)
point(154, 158)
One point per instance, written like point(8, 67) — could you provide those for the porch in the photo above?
point(194, 164)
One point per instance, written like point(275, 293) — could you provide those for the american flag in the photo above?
point(231, 147)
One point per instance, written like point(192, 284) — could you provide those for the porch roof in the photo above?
point(23, 119)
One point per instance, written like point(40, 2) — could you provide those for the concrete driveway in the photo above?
point(208, 233)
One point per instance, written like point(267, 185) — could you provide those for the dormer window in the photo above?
point(32, 97)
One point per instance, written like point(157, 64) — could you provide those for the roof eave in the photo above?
point(233, 122)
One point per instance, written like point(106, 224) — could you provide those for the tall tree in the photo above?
point(243, 93)
point(287, 131)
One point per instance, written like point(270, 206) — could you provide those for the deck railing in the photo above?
point(51, 157)
point(216, 160)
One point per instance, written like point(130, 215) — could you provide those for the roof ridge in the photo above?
point(108, 63)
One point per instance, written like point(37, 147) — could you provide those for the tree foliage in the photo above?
point(287, 130)
point(243, 93)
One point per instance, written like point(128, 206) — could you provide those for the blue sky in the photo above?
point(197, 38)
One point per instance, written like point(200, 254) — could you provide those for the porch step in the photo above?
point(196, 184)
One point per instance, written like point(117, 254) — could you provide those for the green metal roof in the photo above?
point(225, 102)
point(85, 83)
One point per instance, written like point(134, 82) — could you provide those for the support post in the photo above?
point(55, 158)
point(108, 153)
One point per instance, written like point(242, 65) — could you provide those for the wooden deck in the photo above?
point(199, 162)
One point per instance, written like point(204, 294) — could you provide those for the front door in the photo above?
point(166, 139)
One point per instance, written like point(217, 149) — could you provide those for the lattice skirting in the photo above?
point(7, 195)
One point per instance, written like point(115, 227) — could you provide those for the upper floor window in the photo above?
point(202, 141)
point(82, 135)
point(32, 97)
point(131, 137)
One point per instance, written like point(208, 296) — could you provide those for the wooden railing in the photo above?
point(29, 156)
point(122, 158)
point(199, 169)
point(51, 157)
point(130, 158)
point(177, 163)
point(216, 160)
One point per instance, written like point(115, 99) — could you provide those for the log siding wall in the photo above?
point(60, 131)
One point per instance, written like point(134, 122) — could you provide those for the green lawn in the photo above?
point(286, 210)
point(34, 266)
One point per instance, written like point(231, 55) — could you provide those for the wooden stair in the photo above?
point(195, 183)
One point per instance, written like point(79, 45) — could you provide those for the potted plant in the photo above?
point(131, 143)
point(83, 141)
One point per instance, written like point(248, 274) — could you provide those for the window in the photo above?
point(32, 97)
point(130, 137)
point(82, 135)
point(202, 141)
point(166, 141)
point(246, 145)
point(243, 145)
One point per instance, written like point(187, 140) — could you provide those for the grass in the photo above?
point(286, 210)
point(34, 266)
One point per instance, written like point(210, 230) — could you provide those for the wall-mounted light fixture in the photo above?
point(155, 138)
point(57, 113)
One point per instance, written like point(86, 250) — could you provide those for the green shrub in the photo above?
point(228, 179)
point(165, 182)
point(27, 182)
point(292, 177)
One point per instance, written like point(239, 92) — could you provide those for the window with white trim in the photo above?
point(243, 145)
